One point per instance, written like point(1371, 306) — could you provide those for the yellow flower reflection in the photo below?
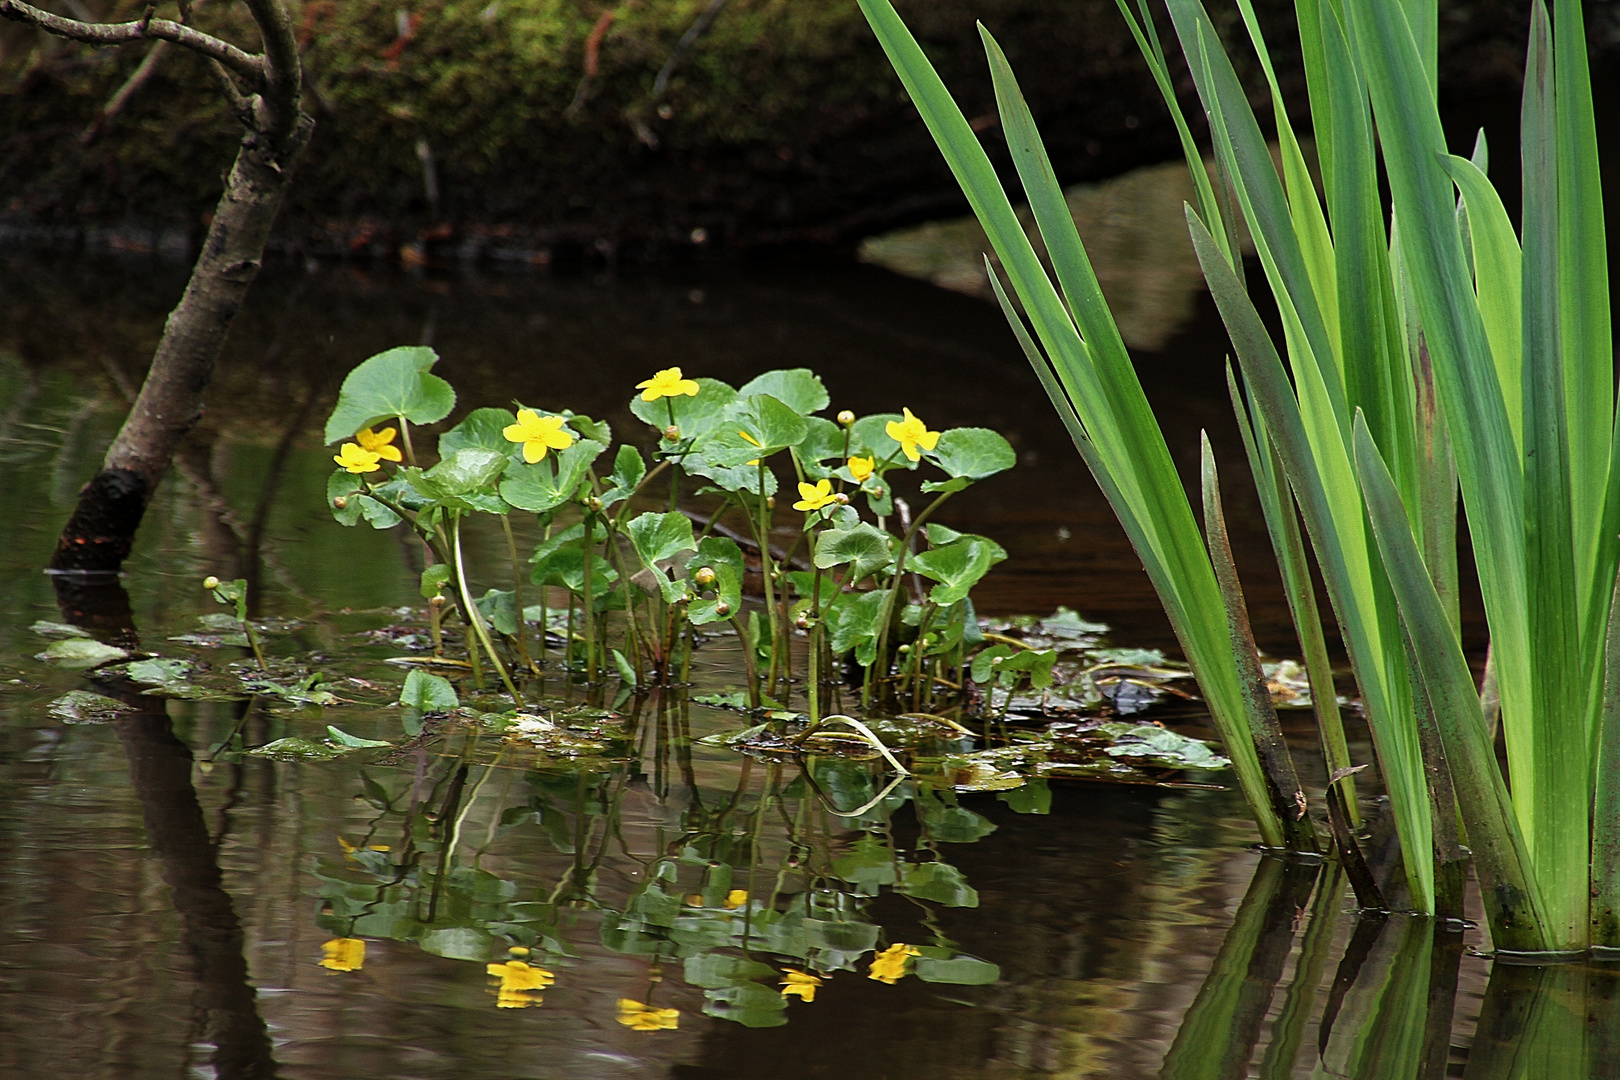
point(667, 383)
point(378, 443)
point(520, 983)
point(815, 496)
point(799, 984)
point(890, 965)
point(538, 434)
point(343, 954)
point(861, 467)
point(911, 433)
point(736, 898)
point(357, 459)
point(638, 1017)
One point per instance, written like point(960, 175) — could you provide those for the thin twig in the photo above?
point(249, 67)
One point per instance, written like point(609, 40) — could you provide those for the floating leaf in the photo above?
point(46, 628)
point(391, 384)
point(79, 653)
point(294, 748)
point(353, 742)
point(83, 707)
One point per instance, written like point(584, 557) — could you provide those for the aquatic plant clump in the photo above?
point(644, 578)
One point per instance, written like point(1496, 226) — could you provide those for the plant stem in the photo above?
point(750, 665)
point(517, 596)
point(881, 661)
point(589, 542)
point(477, 619)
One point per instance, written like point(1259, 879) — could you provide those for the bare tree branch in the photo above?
point(249, 67)
point(283, 68)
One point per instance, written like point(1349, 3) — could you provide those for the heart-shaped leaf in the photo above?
point(693, 415)
point(657, 537)
point(548, 483)
point(863, 545)
point(391, 384)
point(973, 453)
point(800, 389)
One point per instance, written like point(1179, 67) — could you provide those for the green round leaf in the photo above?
point(973, 453)
point(390, 384)
point(800, 389)
point(693, 415)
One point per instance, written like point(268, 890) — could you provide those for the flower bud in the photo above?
point(341, 501)
point(210, 582)
point(904, 649)
point(770, 502)
point(437, 602)
point(841, 499)
point(846, 418)
point(722, 608)
point(704, 577)
point(672, 433)
point(593, 504)
point(803, 621)
point(877, 492)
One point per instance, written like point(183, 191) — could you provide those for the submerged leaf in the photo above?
point(79, 653)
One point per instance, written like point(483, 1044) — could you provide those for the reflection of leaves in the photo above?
point(83, 707)
point(427, 692)
point(950, 823)
point(960, 970)
point(1034, 797)
point(294, 748)
point(869, 862)
point(714, 970)
point(939, 882)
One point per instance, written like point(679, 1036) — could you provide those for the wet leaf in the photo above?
point(353, 742)
point(79, 653)
point(47, 628)
point(294, 748)
point(391, 384)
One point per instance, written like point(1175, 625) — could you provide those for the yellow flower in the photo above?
point(736, 898)
point(639, 1017)
point(357, 459)
point(343, 954)
point(667, 383)
point(538, 434)
point(890, 965)
point(815, 496)
point(520, 983)
point(861, 467)
point(911, 433)
point(800, 984)
point(378, 443)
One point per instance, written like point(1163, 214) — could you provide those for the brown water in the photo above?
point(165, 899)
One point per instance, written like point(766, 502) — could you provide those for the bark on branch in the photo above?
point(98, 536)
point(245, 65)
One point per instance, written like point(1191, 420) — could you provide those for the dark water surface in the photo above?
point(165, 900)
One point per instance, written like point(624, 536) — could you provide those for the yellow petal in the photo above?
point(515, 433)
point(343, 954)
point(736, 898)
point(534, 450)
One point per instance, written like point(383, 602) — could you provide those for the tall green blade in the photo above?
point(1330, 503)
point(1508, 888)
point(1583, 286)
point(1554, 816)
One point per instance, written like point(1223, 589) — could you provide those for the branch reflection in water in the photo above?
point(160, 771)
